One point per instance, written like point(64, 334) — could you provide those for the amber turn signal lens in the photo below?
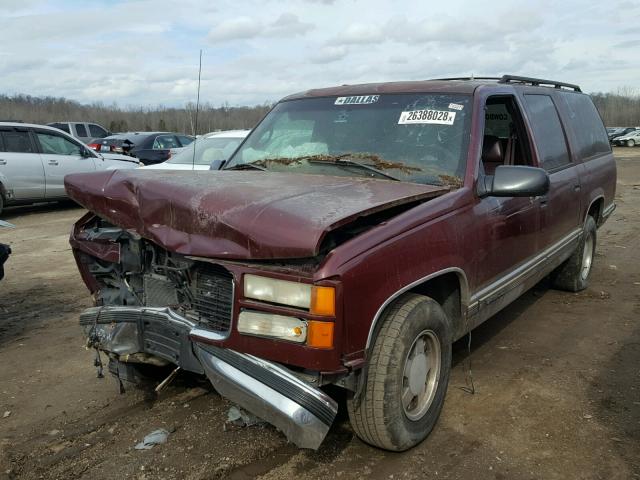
point(320, 334)
point(323, 301)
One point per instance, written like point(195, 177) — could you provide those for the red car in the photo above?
point(352, 237)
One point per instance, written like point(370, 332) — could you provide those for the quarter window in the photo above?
point(80, 130)
point(547, 129)
point(57, 145)
point(591, 137)
point(18, 142)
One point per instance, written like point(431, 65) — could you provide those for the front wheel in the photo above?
point(573, 275)
point(406, 377)
point(631, 143)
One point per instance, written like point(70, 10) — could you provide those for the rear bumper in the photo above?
point(302, 412)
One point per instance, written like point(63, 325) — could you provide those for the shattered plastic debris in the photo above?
point(241, 418)
point(154, 438)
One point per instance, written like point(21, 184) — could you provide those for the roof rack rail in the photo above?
point(467, 78)
point(536, 82)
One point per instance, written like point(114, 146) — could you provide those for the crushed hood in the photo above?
point(237, 214)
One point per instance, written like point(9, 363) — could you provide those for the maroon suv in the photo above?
point(351, 238)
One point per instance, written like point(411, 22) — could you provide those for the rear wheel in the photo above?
point(406, 377)
point(573, 275)
point(631, 143)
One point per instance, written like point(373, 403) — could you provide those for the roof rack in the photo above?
point(536, 82)
point(467, 78)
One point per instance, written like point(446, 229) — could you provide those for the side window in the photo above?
point(164, 142)
point(587, 126)
point(61, 126)
point(547, 130)
point(505, 139)
point(18, 142)
point(56, 144)
point(184, 140)
point(97, 131)
point(80, 130)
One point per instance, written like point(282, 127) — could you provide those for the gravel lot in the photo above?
point(557, 379)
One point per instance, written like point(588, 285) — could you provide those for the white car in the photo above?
point(35, 158)
point(630, 139)
point(208, 148)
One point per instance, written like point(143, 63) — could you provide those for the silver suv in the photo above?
point(35, 158)
point(85, 132)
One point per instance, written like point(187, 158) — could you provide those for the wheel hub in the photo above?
point(421, 374)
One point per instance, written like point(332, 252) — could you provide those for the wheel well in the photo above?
point(446, 290)
point(595, 210)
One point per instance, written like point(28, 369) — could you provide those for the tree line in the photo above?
point(620, 108)
point(42, 110)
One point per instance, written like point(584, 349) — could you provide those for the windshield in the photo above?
point(207, 150)
point(418, 138)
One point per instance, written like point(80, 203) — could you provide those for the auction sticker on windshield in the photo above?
point(357, 100)
point(441, 117)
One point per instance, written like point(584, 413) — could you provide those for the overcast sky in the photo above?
point(145, 52)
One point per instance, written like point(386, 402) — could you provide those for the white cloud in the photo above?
point(135, 53)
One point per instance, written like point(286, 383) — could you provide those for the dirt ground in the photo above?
point(557, 378)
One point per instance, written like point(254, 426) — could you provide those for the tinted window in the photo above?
point(18, 142)
point(61, 126)
point(547, 131)
point(97, 131)
point(80, 130)
point(590, 134)
point(57, 145)
point(164, 142)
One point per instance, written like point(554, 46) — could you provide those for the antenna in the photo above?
point(195, 133)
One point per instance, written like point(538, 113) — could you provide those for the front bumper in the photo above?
point(302, 412)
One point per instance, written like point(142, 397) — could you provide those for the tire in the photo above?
point(1, 200)
point(378, 415)
point(573, 275)
point(631, 143)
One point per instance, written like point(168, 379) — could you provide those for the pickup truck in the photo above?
point(350, 239)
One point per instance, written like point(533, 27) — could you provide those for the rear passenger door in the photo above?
point(61, 156)
point(21, 169)
point(560, 208)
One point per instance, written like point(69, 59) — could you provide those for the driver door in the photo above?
point(61, 156)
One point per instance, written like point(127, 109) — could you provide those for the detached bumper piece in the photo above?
point(302, 412)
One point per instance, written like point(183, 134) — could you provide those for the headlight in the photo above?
point(277, 291)
point(319, 300)
point(274, 326)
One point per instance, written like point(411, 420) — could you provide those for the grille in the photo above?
point(159, 291)
point(212, 290)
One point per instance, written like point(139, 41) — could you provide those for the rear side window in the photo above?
point(164, 142)
point(591, 136)
point(61, 126)
point(547, 131)
point(18, 142)
point(97, 131)
point(80, 130)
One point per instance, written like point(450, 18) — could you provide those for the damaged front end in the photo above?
point(161, 308)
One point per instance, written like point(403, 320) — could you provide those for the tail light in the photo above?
point(94, 146)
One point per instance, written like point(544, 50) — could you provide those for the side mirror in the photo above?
point(514, 181)
point(217, 164)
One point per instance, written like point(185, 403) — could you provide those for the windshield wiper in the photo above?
point(340, 161)
point(246, 166)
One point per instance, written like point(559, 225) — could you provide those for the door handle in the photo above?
point(3, 161)
point(576, 187)
point(53, 162)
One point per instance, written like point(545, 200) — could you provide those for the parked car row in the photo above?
point(624, 136)
point(148, 147)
